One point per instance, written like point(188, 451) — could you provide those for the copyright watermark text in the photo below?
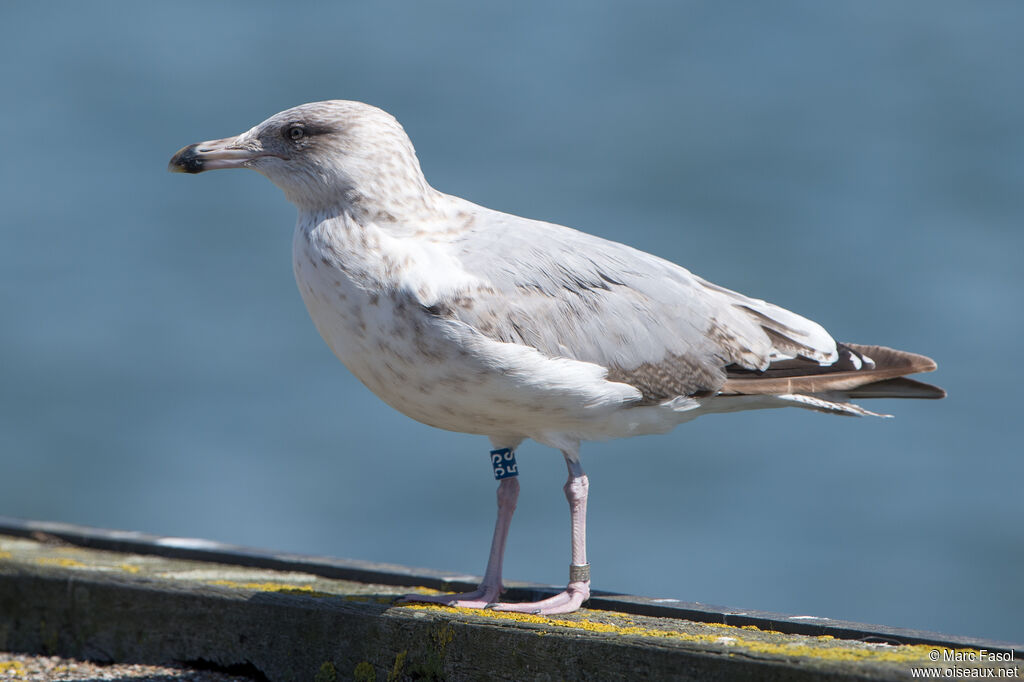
point(970, 663)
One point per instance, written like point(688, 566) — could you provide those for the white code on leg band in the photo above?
point(504, 463)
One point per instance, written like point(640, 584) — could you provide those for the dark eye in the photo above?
point(295, 132)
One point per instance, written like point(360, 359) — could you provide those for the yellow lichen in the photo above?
point(130, 568)
point(5, 555)
point(15, 668)
point(280, 588)
point(64, 563)
point(425, 590)
point(739, 637)
point(263, 587)
point(364, 672)
point(326, 673)
point(442, 637)
point(396, 669)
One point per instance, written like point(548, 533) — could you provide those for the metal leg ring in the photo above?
point(579, 573)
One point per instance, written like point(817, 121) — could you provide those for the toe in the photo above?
point(477, 599)
point(567, 601)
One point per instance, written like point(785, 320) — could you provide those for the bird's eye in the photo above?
point(295, 132)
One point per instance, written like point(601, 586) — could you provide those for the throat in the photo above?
point(384, 204)
point(409, 261)
point(330, 244)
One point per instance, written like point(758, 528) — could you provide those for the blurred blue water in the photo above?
point(861, 163)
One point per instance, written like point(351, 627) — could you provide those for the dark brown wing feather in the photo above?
point(878, 374)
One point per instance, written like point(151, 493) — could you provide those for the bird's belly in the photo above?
point(441, 373)
point(414, 369)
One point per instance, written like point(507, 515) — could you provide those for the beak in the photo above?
point(230, 152)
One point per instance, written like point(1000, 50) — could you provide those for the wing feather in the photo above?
point(649, 322)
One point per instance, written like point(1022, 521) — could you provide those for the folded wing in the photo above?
point(654, 325)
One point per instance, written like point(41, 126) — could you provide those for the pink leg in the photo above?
point(491, 587)
point(578, 589)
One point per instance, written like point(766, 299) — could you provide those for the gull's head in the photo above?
point(324, 155)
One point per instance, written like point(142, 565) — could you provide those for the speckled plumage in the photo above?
point(478, 321)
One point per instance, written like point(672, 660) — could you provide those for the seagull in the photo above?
point(472, 320)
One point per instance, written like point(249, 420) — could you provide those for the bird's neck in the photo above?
point(369, 193)
point(388, 208)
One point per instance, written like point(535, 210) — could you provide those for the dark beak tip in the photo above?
point(186, 160)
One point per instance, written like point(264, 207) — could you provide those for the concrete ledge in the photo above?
point(62, 598)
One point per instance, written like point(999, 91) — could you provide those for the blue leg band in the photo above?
point(504, 463)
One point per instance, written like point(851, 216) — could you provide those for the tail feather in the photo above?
point(820, 404)
point(860, 372)
point(900, 387)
